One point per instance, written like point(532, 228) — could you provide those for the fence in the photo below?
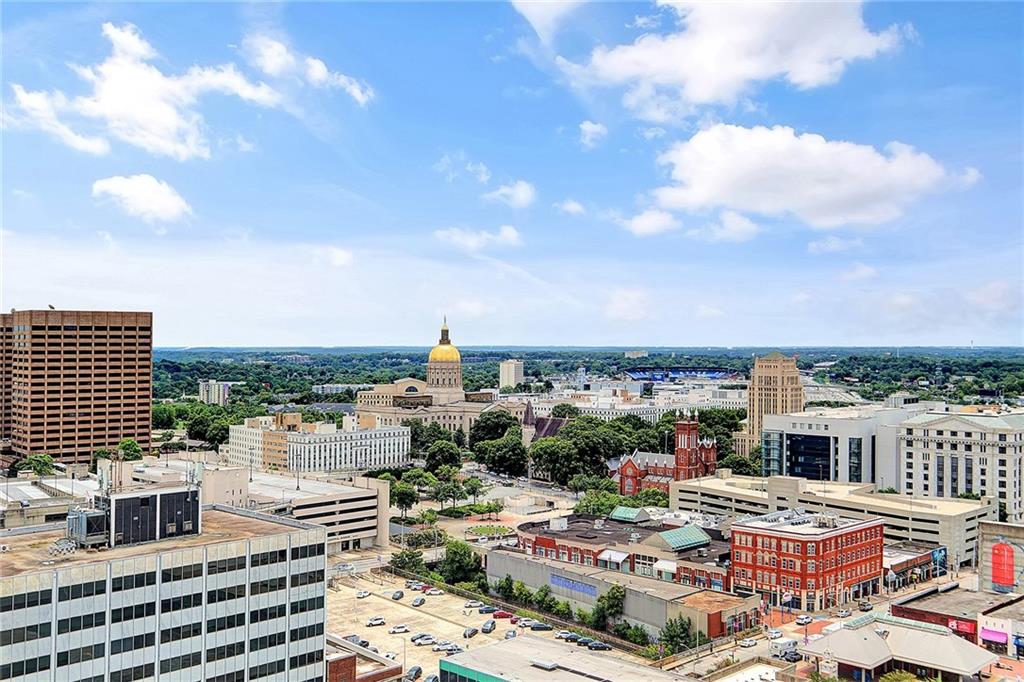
point(706, 647)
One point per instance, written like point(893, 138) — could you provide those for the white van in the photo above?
point(778, 647)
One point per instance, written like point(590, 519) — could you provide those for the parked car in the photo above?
point(487, 609)
point(514, 619)
point(454, 649)
point(442, 646)
point(510, 633)
point(844, 613)
point(346, 567)
point(424, 588)
point(540, 626)
point(502, 614)
point(747, 643)
point(792, 657)
point(573, 637)
point(398, 594)
point(391, 655)
point(419, 601)
point(362, 594)
point(398, 629)
point(434, 592)
point(426, 640)
point(414, 673)
point(472, 604)
point(774, 633)
point(375, 621)
point(525, 622)
point(431, 678)
point(562, 634)
point(583, 641)
point(599, 646)
point(866, 606)
point(804, 620)
point(488, 627)
point(469, 633)
point(419, 635)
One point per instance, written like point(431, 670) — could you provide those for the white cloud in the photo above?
point(338, 257)
point(731, 227)
point(571, 206)
point(244, 145)
point(970, 176)
point(645, 22)
point(143, 196)
point(137, 103)
point(776, 172)
point(22, 193)
point(480, 171)
point(833, 244)
point(859, 272)
point(591, 134)
point(468, 240)
point(652, 133)
point(722, 50)
point(650, 222)
point(452, 164)
point(518, 194)
point(707, 312)
point(270, 56)
point(545, 16)
point(628, 305)
point(319, 75)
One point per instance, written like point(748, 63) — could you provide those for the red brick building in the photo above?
point(809, 562)
point(693, 457)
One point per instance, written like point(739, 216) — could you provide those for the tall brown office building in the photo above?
point(775, 388)
point(72, 382)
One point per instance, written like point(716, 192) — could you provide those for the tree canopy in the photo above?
point(442, 453)
point(490, 425)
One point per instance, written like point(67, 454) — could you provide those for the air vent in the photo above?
point(544, 665)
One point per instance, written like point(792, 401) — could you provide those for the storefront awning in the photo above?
point(994, 636)
point(665, 566)
point(613, 556)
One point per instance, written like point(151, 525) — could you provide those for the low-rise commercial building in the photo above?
point(950, 523)
point(807, 561)
point(955, 608)
point(649, 602)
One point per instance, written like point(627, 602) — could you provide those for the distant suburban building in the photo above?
point(214, 392)
point(179, 592)
point(949, 523)
point(775, 388)
point(283, 442)
point(332, 389)
point(693, 457)
point(809, 562)
point(510, 373)
point(633, 354)
point(945, 454)
point(73, 382)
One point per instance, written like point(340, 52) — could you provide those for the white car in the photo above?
point(562, 634)
point(434, 592)
point(398, 629)
point(424, 641)
point(375, 621)
point(442, 646)
point(804, 620)
point(472, 604)
point(362, 594)
point(526, 622)
point(774, 634)
point(747, 643)
point(346, 567)
point(844, 613)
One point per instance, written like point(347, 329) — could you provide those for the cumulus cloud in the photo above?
point(137, 103)
point(650, 222)
point(480, 171)
point(570, 206)
point(591, 134)
point(652, 133)
point(628, 305)
point(468, 240)
point(833, 244)
point(858, 272)
point(143, 196)
point(777, 172)
point(731, 227)
point(720, 51)
point(518, 194)
point(545, 16)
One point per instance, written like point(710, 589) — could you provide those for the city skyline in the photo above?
point(558, 174)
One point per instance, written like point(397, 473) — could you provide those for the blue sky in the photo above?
point(556, 173)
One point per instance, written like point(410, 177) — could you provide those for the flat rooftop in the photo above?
point(582, 527)
point(904, 551)
point(1014, 611)
point(528, 657)
point(799, 522)
point(29, 551)
point(711, 601)
point(263, 484)
point(959, 602)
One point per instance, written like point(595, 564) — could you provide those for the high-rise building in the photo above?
point(178, 593)
point(775, 388)
point(510, 373)
point(213, 392)
point(75, 381)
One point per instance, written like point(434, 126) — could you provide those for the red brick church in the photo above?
point(694, 457)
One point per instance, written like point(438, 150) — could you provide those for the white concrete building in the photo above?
point(510, 373)
point(331, 389)
point(213, 392)
point(944, 454)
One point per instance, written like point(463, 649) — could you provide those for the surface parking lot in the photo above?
point(442, 616)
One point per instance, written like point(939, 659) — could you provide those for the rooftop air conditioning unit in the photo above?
point(544, 665)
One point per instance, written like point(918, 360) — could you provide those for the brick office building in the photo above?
point(73, 382)
point(693, 457)
point(816, 560)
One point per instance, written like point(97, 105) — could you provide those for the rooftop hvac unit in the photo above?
point(543, 665)
point(598, 524)
point(702, 551)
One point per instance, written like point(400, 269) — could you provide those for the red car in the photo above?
point(514, 620)
point(501, 614)
point(426, 587)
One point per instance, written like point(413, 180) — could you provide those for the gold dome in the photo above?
point(444, 351)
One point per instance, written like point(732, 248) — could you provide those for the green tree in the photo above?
point(198, 426)
point(419, 479)
point(163, 416)
point(39, 464)
point(390, 478)
point(409, 560)
point(217, 434)
point(565, 411)
point(557, 458)
point(816, 676)
point(648, 497)
point(740, 465)
point(522, 594)
point(447, 473)
point(435, 432)
point(405, 497)
point(584, 482)
point(130, 450)
point(505, 588)
point(888, 490)
point(562, 609)
point(490, 425)
point(677, 634)
point(614, 600)
point(460, 563)
point(898, 676)
point(598, 503)
point(459, 438)
point(505, 455)
point(441, 453)
point(473, 487)
point(543, 599)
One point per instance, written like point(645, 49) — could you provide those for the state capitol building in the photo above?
point(440, 399)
